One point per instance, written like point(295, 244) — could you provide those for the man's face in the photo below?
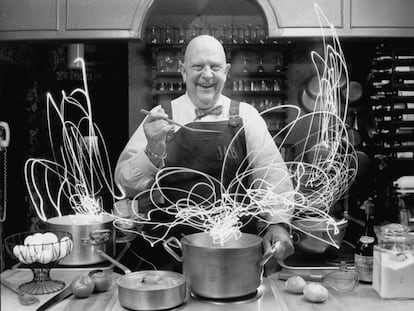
point(204, 71)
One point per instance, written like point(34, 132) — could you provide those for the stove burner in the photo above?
point(339, 258)
point(234, 300)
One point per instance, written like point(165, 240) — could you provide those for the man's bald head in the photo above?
point(202, 43)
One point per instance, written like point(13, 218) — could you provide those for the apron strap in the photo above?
point(234, 117)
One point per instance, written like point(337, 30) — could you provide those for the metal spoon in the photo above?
point(183, 126)
point(24, 298)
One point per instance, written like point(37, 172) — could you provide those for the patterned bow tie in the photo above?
point(215, 110)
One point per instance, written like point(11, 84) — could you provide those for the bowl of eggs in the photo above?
point(40, 251)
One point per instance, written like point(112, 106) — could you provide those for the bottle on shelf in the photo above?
point(260, 67)
point(364, 249)
point(245, 67)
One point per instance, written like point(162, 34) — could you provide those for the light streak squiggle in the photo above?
point(80, 169)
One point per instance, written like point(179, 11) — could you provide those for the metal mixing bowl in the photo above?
point(309, 235)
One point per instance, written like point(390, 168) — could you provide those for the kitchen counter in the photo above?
point(274, 298)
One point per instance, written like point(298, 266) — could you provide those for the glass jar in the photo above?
point(393, 271)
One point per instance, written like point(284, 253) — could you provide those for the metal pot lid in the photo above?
point(80, 220)
point(308, 102)
point(152, 280)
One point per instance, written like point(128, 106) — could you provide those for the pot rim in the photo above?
point(69, 220)
point(179, 276)
point(186, 240)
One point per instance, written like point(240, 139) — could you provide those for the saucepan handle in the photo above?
point(115, 262)
point(173, 242)
point(270, 253)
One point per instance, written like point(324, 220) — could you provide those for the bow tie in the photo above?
point(215, 110)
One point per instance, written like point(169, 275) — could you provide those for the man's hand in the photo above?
point(156, 129)
point(273, 234)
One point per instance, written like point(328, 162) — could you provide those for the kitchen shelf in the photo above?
point(392, 75)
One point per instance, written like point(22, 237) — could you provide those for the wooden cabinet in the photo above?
point(125, 19)
point(258, 76)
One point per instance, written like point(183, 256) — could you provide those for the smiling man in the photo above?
point(240, 133)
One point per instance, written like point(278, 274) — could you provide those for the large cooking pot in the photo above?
point(308, 235)
point(220, 271)
point(88, 236)
point(149, 289)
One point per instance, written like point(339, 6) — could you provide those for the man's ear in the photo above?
point(228, 66)
point(182, 69)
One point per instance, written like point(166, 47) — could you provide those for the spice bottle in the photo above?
point(364, 249)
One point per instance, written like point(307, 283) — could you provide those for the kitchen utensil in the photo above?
point(36, 250)
point(342, 280)
point(363, 163)
point(353, 136)
point(313, 85)
point(217, 271)
point(24, 298)
point(371, 125)
point(184, 126)
point(307, 101)
point(163, 290)
point(355, 91)
point(88, 236)
point(56, 299)
point(308, 235)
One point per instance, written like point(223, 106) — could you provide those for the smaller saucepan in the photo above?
point(149, 289)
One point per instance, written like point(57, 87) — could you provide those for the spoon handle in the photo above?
point(306, 277)
point(146, 112)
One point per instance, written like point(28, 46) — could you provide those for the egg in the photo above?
point(49, 237)
point(295, 284)
point(17, 250)
point(65, 247)
point(24, 255)
point(28, 240)
point(36, 241)
point(315, 292)
point(44, 257)
point(32, 252)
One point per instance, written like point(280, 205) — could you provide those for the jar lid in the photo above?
point(395, 233)
point(394, 229)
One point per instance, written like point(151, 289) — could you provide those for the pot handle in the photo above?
point(115, 262)
point(296, 237)
point(97, 237)
point(173, 242)
point(270, 253)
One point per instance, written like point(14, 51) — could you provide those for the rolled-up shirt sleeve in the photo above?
point(270, 172)
point(134, 172)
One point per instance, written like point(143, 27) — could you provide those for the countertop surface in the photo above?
point(274, 298)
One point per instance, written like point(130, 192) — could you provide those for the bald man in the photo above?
point(157, 143)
